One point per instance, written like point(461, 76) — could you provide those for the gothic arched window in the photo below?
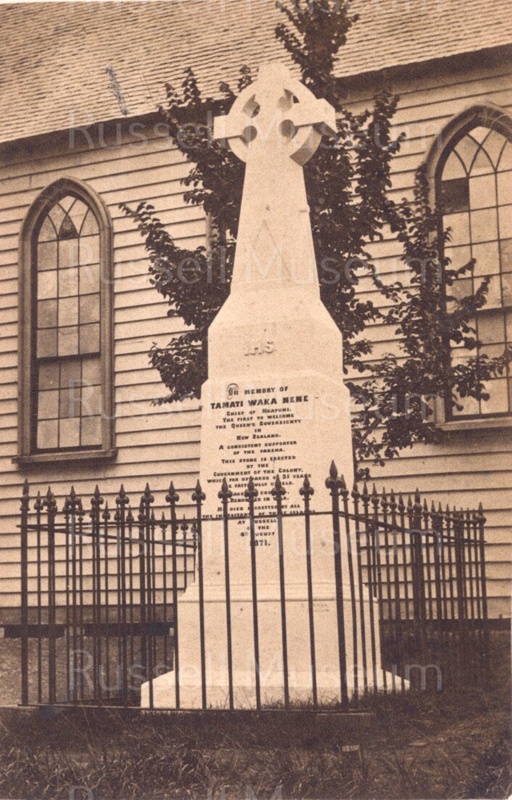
point(474, 185)
point(65, 387)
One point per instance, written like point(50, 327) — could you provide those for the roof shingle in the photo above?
point(70, 64)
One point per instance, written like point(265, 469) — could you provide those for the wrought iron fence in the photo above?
point(101, 588)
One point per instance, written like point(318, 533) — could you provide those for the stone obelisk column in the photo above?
point(274, 404)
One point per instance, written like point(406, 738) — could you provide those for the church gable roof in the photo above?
point(72, 64)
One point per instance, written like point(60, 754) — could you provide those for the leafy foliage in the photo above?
point(348, 183)
point(399, 399)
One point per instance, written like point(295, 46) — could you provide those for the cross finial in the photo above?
point(278, 112)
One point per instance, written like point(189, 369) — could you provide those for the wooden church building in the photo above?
point(80, 85)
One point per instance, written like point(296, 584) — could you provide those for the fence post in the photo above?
point(251, 494)
point(51, 507)
point(370, 559)
point(71, 593)
point(81, 594)
point(462, 610)
point(225, 496)
point(165, 615)
point(130, 522)
point(122, 500)
point(414, 513)
point(25, 500)
point(106, 560)
point(418, 576)
point(472, 633)
point(353, 604)
point(334, 485)
point(96, 503)
point(38, 508)
point(198, 497)
point(142, 596)
point(487, 651)
point(396, 605)
point(278, 493)
point(460, 566)
point(361, 587)
point(172, 498)
point(377, 561)
point(69, 652)
point(148, 529)
point(306, 492)
point(437, 528)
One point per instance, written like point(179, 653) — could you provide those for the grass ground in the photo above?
point(440, 745)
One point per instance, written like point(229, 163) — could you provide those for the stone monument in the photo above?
point(274, 404)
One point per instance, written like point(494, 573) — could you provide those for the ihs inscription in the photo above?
point(260, 348)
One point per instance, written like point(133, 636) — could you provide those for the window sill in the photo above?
point(483, 424)
point(89, 456)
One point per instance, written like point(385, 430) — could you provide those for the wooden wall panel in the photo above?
point(157, 443)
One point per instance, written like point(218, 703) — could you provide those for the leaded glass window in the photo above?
point(476, 194)
point(68, 328)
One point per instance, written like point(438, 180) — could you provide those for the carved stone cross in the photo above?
point(276, 112)
point(275, 126)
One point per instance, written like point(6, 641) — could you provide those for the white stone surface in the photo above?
point(274, 404)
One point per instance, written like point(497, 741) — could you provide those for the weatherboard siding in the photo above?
point(159, 443)
point(470, 466)
point(155, 443)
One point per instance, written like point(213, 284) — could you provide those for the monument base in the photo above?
point(305, 665)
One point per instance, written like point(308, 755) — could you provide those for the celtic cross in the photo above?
point(275, 126)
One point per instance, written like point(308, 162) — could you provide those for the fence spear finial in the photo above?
point(278, 490)
point(122, 498)
point(96, 502)
point(198, 495)
point(306, 489)
point(251, 492)
point(49, 500)
point(333, 482)
point(225, 493)
point(172, 496)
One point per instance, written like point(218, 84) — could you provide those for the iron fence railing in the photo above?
point(101, 585)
